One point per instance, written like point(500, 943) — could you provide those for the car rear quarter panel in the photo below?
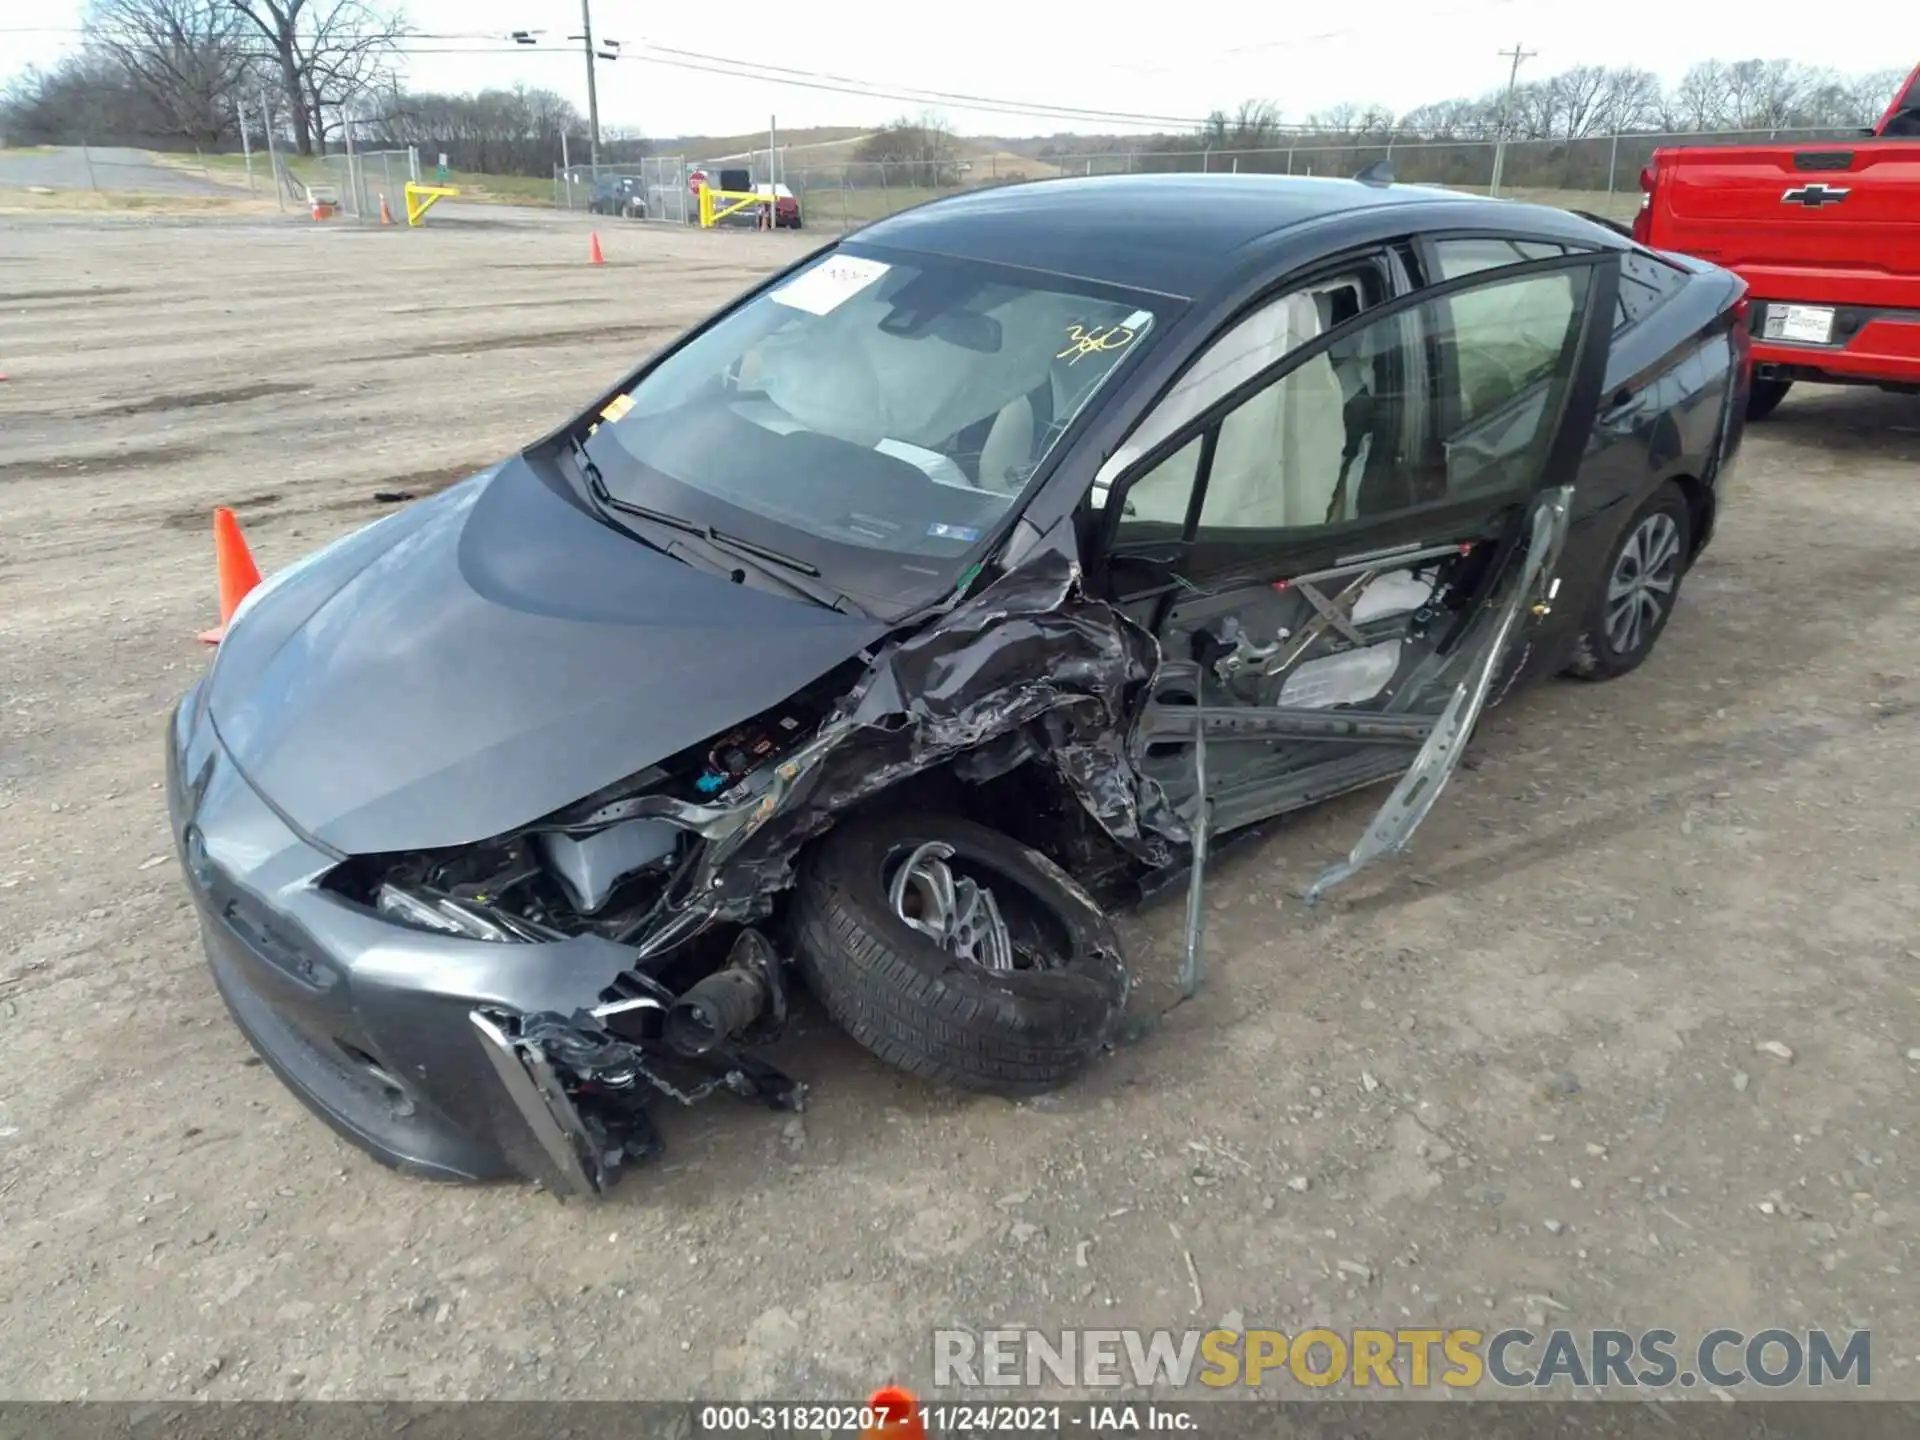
point(1670, 379)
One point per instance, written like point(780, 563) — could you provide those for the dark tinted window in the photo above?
point(1645, 284)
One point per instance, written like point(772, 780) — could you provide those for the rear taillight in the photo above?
point(1643, 219)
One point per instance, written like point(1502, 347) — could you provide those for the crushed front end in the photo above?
point(450, 1035)
point(515, 1005)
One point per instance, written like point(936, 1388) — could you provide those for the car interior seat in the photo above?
point(1006, 456)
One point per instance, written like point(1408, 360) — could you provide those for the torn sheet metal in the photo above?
point(1030, 653)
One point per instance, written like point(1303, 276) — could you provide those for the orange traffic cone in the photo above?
point(896, 1416)
point(234, 564)
point(593, 255)
point(386, 215)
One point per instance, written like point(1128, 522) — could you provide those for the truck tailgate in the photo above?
point(1841, 210)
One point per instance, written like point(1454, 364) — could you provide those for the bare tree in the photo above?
point(497, 132)
point(1869, 95)
point(1254, 126)
point(1575, 101)
point(1702, 100)
point(1632, 101)
point(1335, 119)
point(187, 57)
point(327, 52)
point(923, 146)
point(1764, 94)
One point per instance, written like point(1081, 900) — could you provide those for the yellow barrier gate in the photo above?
point(712, 211)
point(420, 199)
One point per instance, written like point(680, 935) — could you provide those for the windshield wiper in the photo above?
point(760, 557)
point(594, 492)
point(735, 545)
point(796, 574)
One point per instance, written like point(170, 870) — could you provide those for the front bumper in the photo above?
point(370, 1023)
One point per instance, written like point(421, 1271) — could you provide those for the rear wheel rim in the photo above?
point(1640, 590)
point(956, 912)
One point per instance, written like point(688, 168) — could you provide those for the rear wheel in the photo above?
point(1637, 595)
point(956, 953)
point(1765, 397)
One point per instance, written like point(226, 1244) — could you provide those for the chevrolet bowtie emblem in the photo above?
point(1815, 195)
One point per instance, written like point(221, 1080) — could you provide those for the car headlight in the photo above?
point(446, 916)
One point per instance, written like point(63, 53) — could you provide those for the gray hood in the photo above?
point(487, 656)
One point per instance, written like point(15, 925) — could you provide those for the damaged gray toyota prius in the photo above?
point(957, 585)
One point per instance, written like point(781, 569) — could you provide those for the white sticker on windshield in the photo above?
point(1137, 321)
point(830, 284)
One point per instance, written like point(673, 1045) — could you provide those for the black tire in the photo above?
point(1604, 652)
point(913, 1004)
point(1765, 397)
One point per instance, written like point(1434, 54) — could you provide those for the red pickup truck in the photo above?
point(1827, 236)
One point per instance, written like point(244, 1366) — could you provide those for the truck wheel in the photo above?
point(1765, 397)
point(956, 953)
point(1637, 590)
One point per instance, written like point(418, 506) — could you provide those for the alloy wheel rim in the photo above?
point(955, 911)
point(1640, 589)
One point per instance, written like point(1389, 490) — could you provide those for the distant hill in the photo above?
point(830, 147)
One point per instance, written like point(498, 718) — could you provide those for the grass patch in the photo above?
point(310, 170)
point(22, 199)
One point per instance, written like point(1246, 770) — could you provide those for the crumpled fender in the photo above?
point(1032, 649)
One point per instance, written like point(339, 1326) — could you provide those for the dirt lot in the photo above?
point(1512, 1073)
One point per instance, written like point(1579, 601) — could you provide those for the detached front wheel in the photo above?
point(957, 954)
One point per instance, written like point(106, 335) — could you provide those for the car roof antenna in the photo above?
point(1380, 172)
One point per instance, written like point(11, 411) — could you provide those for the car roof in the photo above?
point(1174, 234)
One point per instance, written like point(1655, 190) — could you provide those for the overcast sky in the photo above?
point(1399, 53)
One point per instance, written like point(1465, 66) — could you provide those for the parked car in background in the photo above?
point(786, 206)
point(624, 195)
point(1826, 233)
point(962, 582)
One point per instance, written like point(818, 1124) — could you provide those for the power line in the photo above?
point(701, 62)
point(839, 85)
point(912, 91)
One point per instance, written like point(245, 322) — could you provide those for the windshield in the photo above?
point(890, 410)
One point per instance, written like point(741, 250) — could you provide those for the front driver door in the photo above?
point(1336, 549)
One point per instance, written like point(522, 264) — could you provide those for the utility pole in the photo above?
point(1517, 54)
point(607, 50)
point(593, 93)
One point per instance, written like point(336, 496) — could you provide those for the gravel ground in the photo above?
point(1513, 1074)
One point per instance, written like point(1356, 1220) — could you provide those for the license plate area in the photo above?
point(1799, 324)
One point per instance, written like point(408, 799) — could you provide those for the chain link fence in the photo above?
point(659, 183)
point(1597, 173)
point(366, 178)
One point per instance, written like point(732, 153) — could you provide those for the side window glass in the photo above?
point(1157, 502)
point(1458, 258)
point(1256, 342)
point(1517, 329)
point(1449, 400)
